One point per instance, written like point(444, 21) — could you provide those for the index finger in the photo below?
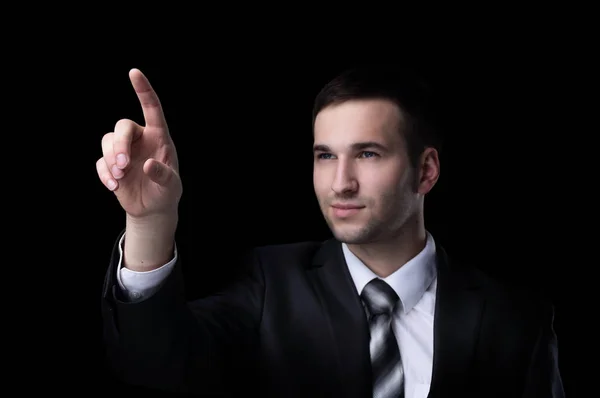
point(153, 113)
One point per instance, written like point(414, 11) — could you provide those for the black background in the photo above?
point(510, 197)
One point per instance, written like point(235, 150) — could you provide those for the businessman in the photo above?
point(379, 310)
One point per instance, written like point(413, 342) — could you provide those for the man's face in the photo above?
point(362, 177)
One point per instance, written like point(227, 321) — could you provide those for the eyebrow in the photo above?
point(357, 146)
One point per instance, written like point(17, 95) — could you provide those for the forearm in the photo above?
point(149, 243)
point(158, 343)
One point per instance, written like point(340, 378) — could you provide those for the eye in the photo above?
point(324, 156)
point(369, 154)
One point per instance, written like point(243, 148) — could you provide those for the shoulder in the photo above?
point(295, 252)
point(515, 298)
point(505, 292)
point(529, 295)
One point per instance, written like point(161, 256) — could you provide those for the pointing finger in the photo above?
point(153, 113)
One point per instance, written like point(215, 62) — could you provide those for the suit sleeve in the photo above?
point(543, 377)
point(164, 342)
point(138, 285)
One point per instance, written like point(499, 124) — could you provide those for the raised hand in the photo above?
point(139, 163)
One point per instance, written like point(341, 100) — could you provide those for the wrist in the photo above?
point(149, 242)
point(162, 223)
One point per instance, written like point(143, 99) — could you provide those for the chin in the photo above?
point(351, 236)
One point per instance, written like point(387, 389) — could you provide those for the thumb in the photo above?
point(159, 172)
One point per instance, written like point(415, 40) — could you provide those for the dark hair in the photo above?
point(405, 88)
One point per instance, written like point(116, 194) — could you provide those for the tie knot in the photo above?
point(379, 297)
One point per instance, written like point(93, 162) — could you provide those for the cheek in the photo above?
point(384, 190)
point(378, 183)
point(320, 183)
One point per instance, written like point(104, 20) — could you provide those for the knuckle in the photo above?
point(124, 131)
point(124, 125)
point(106, 138)
point(107, 141)
point(102, 170)
point(107, 145)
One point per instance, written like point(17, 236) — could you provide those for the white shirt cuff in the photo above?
point(140, 285)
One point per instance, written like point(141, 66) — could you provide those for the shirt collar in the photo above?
point(410, 281)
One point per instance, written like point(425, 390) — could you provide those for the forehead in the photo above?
point(358, 120)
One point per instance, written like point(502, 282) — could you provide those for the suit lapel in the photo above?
point(459, 307)
point(347, 321)
point(458, 311)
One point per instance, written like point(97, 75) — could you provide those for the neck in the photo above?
point(385, 257)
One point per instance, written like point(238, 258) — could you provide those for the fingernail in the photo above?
point(121, 160)
point(111, 184)
point(117, 172)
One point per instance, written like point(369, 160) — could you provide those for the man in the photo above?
point(378, 311)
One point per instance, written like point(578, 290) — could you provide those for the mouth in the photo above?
point(345, 206)
point(345, 210)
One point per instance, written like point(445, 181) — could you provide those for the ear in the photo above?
point(429, 170)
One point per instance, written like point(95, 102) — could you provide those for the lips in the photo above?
point(345, 210)
point(346, 206)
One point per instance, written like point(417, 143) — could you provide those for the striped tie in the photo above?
point(379, 300)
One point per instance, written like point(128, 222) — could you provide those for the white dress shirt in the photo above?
point(415, 283)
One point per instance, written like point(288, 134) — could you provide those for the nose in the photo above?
point(344, 181)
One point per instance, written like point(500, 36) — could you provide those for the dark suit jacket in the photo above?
point(292, 325)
